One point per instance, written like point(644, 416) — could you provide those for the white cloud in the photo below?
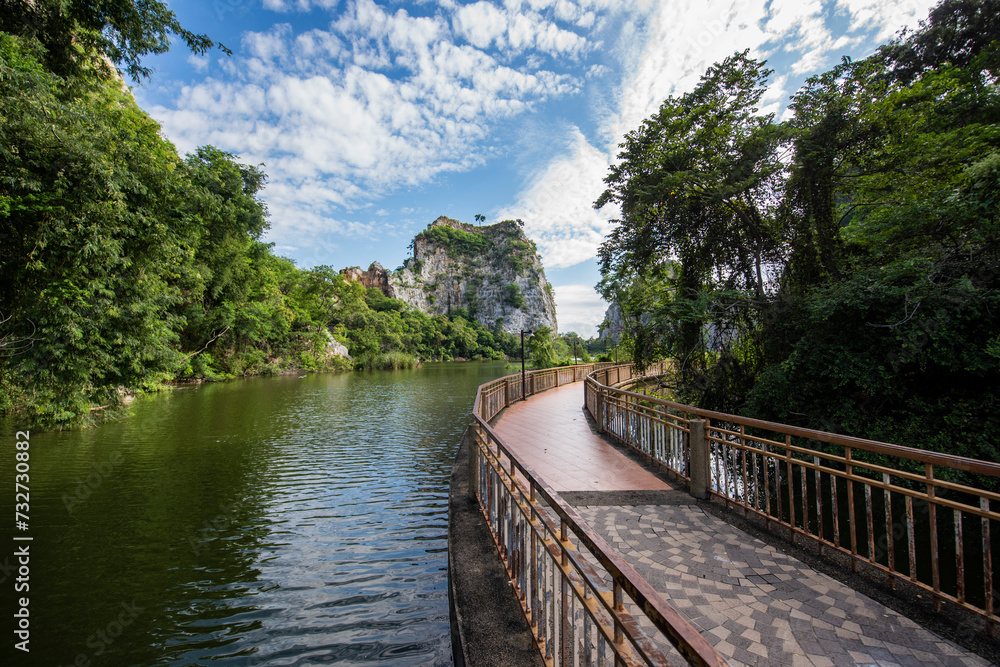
point(886, 18)
point(269, 46)
point(379, 100)
point(580, 309)
point(318, 46)
point(199, 63)
point(481, 24)
point(518, 28)
point(672, 48)
point(285, 6)
point(777, 90)
point(678, 40)
point(775, 96)
point(557, 206)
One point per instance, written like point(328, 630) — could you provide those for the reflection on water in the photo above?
point(275, 521)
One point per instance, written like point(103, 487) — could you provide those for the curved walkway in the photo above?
point(551, 434)
point(757, 605)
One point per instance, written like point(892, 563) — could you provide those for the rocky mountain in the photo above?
point(613, 324)
point(493, 272)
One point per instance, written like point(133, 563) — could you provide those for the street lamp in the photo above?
point(524, 392)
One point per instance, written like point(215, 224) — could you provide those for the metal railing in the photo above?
point(912, 515)
point(496, 395)
point(570, 582)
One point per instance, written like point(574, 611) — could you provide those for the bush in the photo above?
point(455, 241)
point(512, 295)
point(385, 361)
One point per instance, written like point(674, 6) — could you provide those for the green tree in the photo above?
point(123, 266)
point(882, 319)
point(226, 221)
point(895, 343)
point(576, 346)
point(698, 184)
point(512, 295)
point(72, 32)
point(90, 217)
point(955, 33)
point(540, 348)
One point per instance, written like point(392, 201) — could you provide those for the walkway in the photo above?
point(757, 605)
point(551, 433)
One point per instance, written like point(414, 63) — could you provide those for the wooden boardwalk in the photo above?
point(551, 434)
point(755, 604)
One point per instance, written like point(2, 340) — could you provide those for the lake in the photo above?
point(280, 521)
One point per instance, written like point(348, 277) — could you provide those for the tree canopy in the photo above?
point(840, 270)
point(124, 265)
point(71, 32)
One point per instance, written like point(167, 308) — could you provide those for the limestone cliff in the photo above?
point(375, 276)
point(492, 271)
point(613, 324)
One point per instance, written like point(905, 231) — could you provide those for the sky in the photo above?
point(374, 118)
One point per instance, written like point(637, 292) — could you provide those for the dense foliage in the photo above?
point(72, 32)
point(457, 242)
point(124, 265)
point(840, 270)
point(502, 242)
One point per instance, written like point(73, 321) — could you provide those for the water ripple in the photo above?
point(285, 521)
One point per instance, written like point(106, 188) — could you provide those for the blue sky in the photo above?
point(374, 118)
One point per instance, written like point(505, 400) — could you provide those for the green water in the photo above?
point(283, 521)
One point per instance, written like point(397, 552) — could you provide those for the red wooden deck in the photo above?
point(550, 433)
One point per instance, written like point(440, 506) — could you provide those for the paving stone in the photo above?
point(757, 605)
point(745, 657)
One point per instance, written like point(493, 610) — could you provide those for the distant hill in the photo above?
point(493, 272)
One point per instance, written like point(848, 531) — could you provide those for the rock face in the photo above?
point(375, 276)
point(492, 271)
point(613, 325)
point(335, 348)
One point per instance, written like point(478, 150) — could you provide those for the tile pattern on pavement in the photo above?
point(757, 605)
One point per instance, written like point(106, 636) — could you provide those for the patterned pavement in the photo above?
point(758, 606)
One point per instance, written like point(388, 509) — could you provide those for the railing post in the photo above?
point(701, 475)
point(599, 401)
point(628, 423)
point(474, 463)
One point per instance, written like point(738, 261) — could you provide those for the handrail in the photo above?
point(964, 463)
point(575, 617)
point(901, 510)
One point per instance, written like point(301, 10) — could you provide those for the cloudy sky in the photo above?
point(374, 118)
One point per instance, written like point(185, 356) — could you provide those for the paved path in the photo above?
point(551, 434)
point(757, 605)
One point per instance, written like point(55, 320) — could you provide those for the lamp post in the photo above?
point(574, 352)
point(524, 391)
